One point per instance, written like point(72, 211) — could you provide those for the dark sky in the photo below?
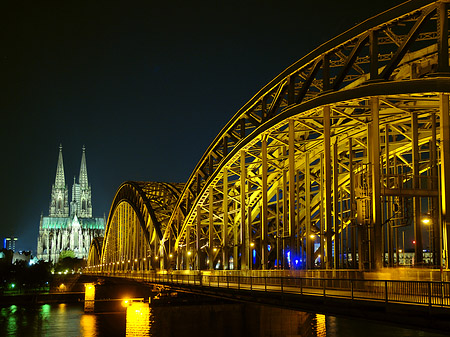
point(145, 86)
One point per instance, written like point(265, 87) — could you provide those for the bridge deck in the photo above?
point(424, 293)
point(422, 304)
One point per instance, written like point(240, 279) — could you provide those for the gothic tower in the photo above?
point(81, 204)
point(59, 204)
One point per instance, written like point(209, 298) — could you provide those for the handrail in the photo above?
point(427, 293)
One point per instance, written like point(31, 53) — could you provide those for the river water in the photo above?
point(230, 320)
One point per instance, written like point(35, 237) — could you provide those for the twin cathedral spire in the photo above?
point(81, 204)
point(69, 225)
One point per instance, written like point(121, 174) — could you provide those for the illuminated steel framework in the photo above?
point(137, 220)
point(320, 168)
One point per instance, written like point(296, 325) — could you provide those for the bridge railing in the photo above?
point(429, 293)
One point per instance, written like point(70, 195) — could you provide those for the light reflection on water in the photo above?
point(222, 320)
point(138, 319)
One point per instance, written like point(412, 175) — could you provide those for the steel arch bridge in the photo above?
point(319, 169)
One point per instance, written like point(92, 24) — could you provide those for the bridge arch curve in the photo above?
point(369, 103)
point(136, 221)
point(95, 252)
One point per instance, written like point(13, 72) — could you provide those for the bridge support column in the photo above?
point(225, 254)
point(211, 229)
point(197, 239)
point(445, 176)
point(89, 297)
point(245, 244)
point(327, 189)
point(337, 250)
point(187, 253)
point(264, 211)
point(416, 184)
point(374, 152)
point(292, 211)
point(308, 240)
point(436, 242)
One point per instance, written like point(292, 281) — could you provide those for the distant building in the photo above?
point(69, 228)
point(22, 256)
point(10, 243)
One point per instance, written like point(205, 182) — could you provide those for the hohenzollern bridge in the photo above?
point(321, 171)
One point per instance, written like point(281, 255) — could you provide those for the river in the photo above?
point(221, 320)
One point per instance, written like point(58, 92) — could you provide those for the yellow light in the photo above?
point(156, 258)
point(128, 261)
point(135, 260)
point(125, 303)
point(137, 319)
point(88, 325)
point(123, 261)
point(189, 253)
point(252, 244)
point(170, 255)
point(399, 250)
point(145, 259)
point(426, 221)
point(312, 236)
point(214, 249)
point(117, 262)
point(89, 294)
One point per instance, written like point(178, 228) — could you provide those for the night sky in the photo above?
point(145, 86)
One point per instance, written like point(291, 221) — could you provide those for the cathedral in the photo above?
point(69, 227)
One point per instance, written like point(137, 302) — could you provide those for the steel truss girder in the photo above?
point(248, 194)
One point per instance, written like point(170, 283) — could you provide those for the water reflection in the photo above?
point(88, 325)
point(320, 325)
point(218, 320)
point(138, 319)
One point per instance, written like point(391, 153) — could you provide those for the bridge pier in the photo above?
point(89, 297)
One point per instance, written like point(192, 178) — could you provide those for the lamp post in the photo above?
point(428, 222)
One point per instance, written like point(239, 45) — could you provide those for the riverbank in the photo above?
point(42, 298)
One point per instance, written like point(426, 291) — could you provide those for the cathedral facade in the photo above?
point(69, 227)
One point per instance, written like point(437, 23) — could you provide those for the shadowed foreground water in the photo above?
point(231, 320)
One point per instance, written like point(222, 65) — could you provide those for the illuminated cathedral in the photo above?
point(69, 228)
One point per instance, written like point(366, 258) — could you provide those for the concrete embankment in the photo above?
point(71, 297)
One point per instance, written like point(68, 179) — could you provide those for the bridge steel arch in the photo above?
point(323, 168)
point(329, 162)
point(95, 252)
point(137, 219)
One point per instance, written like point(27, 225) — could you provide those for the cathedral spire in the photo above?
point(83, 179)
point(83, 191)
point(60, 181)
point(59, 203)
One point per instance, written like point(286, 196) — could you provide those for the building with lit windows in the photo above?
point(69, 228)
point(10, 243)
